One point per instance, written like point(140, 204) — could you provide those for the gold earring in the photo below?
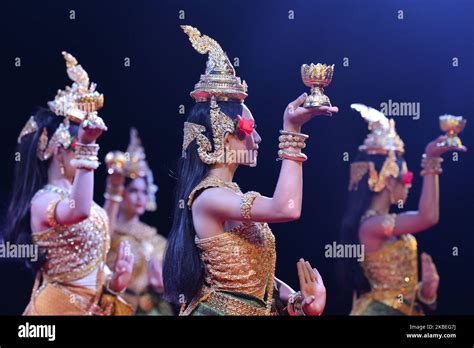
point(392, 199)
point(61, 168)
point(226, 151)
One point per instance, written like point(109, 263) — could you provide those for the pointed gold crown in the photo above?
point(382, 140)
point(383, 136)
point(219, 79)
point(136, 165)
point(77, 101)
point(133, 164)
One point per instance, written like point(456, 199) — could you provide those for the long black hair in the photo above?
point(183, 269)
point(30, 175)
point(359, 199)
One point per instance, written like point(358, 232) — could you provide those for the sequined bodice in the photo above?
point(145, 243)
point(73, 251)
point(394, 267)
point(241, 259)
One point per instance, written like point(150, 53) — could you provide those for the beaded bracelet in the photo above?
point(431, 165)
point(114, 193)
point(293, 140)
point(295, 304)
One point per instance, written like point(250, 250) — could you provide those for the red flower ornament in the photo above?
point(245, 125)
point(407, 178)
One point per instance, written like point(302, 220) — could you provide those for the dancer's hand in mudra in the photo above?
point(91, 129)
point(155, 275)
point(123, 268)
point(436, 148)
point(296, 115)
point(429, 276)
point(312, 288)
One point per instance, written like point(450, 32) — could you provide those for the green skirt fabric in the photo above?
point(379, 308)
point(206, 310)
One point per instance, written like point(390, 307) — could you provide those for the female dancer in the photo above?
point(379, 179)
point(52, 206)
point(130, 192)
point(220, 258)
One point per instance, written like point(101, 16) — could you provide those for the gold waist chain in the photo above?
point(233, 306)
point(225, 303)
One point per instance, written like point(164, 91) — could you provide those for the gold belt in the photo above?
point(389, 298)
point(233, 306)
point(224, 303)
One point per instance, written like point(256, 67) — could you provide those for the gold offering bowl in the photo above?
point(317, 77)
point(452, 125)
point(115, 162)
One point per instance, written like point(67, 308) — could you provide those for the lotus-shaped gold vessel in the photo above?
point(115, 162)
point(317, 77)
point(452, 125)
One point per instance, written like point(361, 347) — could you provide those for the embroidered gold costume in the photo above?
point(72, 252)
point(239, 265)
point(392, 272)
point(146, 244)
point(72, 279)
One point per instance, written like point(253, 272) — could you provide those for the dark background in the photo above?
point(407, 60)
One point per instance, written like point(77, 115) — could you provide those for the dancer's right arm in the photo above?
point(285, 204)
point(78, 206)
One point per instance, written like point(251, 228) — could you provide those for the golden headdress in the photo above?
point(382, 140)
point(75, 103)
point(219, 80)
point(133, 165)
point(81, 98)
point(218, 83)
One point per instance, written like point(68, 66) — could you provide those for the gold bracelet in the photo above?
point(87, 149)
point(113, 198)
point(87, 164)
point(114, 193)
point(302, 135)
point(289, 137)
point(293, 140)
point(294, 156)
point(431, 165)
point(295, 304)
point(109, 289)
point(287, 141)
point(88, 158)
point(115, 189)
point(433, 172)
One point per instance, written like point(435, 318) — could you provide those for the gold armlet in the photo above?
point(388, 224)
point(51, 212)
point(246, 204)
